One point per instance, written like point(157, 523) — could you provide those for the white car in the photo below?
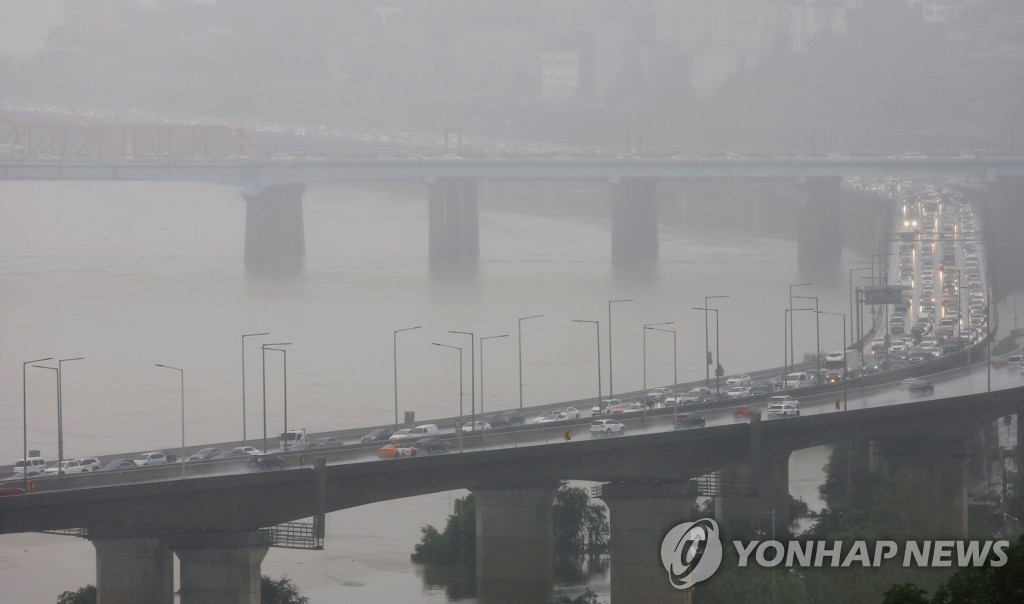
point(695, 395)
point(401, 435)
point(658, 395)
point(737, 392)
point(607, 427)
point(91, 464)
point(738, 380)
point(153, 458)
point(571, 413)
point(602, 408)
point(248, 450)
point(70, 466)
point(783, 406)
point(475, 426)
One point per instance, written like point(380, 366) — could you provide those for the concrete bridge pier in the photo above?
point(275, 239)
point(635, 221)
point(220, 568)
point(819, 228)
point(751, 493)
point(639, 516)
point(942, 510)
point(454, 220)
point(514, 548)
point(133, 570)
point(1004, 217)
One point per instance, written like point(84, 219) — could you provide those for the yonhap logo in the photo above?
point(691, 552)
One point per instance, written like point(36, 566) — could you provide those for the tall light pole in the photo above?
point(718, 358)
point(60, 404)
point(472, 370)
point(244, 336)
point(460, 372)
point(482, 339)
point(284, 351)
point(846, 376)
point(394, 342)
point(817, 335)
point(707, 344)
point(521, 319)
point(792, 360)
point(646, 327)
point(853, 337)
point(611, 377)
point(597, 325)
point(24, 420)
point(60, 456)
point(675, 360)
point(263, 351)
point(182, 373)
point(789, 321)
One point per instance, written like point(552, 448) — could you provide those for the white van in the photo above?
point(798, 379)
point(288, 440)
point(423, 430)
point(33, 466)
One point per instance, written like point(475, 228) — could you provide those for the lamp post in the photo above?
point(845, 365)
point(182, 373)
point(707, 345)
point(460, 372)
point(718, 358)
point(853, 337)
point(263, 351)
point(817, 335)
point(60, 456)
point(611, 377)
point(788, 321)
point(675, 362)
point(244, 336)
point(482, 339)
point(394, 342)
point(472, 369)
point(792, 361)
point(284, 352)
point(24, 420)
point(646, 327)
point(521, 319)
point(597, 325)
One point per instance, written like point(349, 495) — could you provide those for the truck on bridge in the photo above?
point(837, 366)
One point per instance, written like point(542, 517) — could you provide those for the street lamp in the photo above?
point(646, 327)
point(284, 352)
point(846, 367)
point(792, 360)
point(60, 406)
point(182, 373)
point(707, 345)
point(59, 447)
point(394, 342)
point(460, 372)
point(718, 358)
point(611, 377)
point(244, 336)
point(853, 337)
point(521, 319)
point(787, 321)
point(24, 420)
point(817, 334)
point(675, 362)
point(472, 370)
point(263, 349)
point(597, 325)
point(504, 335)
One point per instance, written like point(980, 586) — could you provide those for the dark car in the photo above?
point(380, 434)
point(232, 454)
point(171, 457)
point(760, 391)
point(327, 441)
point(917, 386)
point(507, 418)
point(120, 464)
point(204, 454)
point(432, 445)
point(690, 421)
point(266, 461)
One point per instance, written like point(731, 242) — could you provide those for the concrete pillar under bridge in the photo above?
point(750, 494)
point(275, 239)
point(819, 230)
point(639, 516)
point(1004, 217)
point(635, 221)
point(133, 570)
point(941, 510)
point(220, 568)
point(514, 546)
point(454, 220)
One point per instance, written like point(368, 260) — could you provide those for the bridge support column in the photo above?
point(819, 230)
point(133, 570)
point(275, 239)
point(941, 510)
point(751, 493)
point(1005, 218)
point(220, 568)
point(635, 221)
point(514, 550)
point(454, 220)
point(639, 516)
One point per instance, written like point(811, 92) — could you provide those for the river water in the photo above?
point(132, 274)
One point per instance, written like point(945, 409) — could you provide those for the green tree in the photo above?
point(987, 584)
point(905, 593)
point(282, 591)
point(84, 595)
point(579, 526)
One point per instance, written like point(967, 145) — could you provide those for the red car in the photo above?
point(11, 491)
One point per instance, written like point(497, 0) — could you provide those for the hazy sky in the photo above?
point(25, 24)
